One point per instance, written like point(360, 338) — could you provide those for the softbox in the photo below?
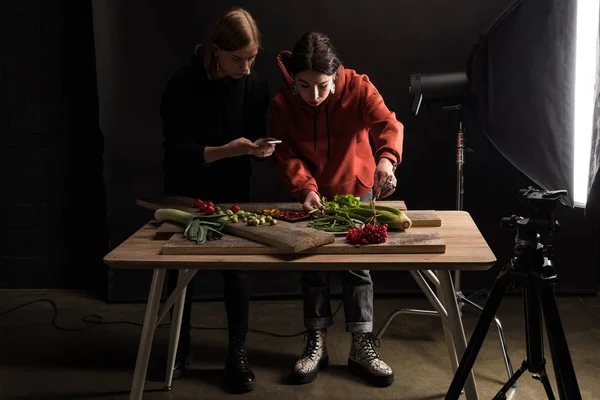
point(522, 75)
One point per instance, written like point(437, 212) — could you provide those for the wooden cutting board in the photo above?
point(423, 218)
point(286, 236)
point(398, 242)
point(290, 238)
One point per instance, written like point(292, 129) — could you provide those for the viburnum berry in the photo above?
point(367, 234)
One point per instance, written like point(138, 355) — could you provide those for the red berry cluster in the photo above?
point(368, 234)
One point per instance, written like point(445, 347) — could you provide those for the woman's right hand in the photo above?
point(311, 201)
point(241, 147)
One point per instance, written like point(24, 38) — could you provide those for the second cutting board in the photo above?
point(397, 243)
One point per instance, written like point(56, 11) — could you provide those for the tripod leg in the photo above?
point(513, 379)
point(533, 328)
point(566, 380)
point(479, 333)
point(503, 345)
point(546, 383)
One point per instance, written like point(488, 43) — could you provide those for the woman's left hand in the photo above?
point(385, 181)
point(265, 150)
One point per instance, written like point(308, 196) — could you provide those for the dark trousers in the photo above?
point(358, 300)
point(236, 285)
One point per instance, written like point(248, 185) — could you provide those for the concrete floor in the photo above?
point(38, 361)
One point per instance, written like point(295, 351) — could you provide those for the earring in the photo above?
point(294, 89)
point(333, 88)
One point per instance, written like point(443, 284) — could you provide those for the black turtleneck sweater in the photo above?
point(198, 112)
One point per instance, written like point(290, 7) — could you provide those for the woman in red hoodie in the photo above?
point(323, 114)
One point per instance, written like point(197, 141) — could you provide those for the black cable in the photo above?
point(93, 320)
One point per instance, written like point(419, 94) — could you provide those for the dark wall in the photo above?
point(53, 231)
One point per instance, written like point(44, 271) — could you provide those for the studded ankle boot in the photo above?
point(365, 362)
point(314, 357)
point(239, 378)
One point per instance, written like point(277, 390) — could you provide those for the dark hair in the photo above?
point(233, 30)
point(314, 51)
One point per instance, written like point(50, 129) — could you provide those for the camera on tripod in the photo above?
point(531, 265)
point(542, 203)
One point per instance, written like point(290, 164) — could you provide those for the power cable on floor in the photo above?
point(93, 320)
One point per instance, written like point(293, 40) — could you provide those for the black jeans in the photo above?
point(236, 285)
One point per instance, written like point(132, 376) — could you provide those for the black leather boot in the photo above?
point(239, 378)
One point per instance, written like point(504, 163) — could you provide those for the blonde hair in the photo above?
point(233, 30)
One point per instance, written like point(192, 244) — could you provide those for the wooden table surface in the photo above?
point(466, 249)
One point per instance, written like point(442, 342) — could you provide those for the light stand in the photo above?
point(461, 299)
point(449, 89)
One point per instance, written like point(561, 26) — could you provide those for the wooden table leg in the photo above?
point(448, 335)
point(456, 327)
point(175, 329)
point(150, 322)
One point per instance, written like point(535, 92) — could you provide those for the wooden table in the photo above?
point(466, 249)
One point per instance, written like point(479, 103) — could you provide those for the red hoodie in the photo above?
point(326, 148)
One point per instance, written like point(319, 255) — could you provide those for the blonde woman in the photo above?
point(213, 112)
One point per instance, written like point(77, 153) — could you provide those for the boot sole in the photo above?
point(301, 379)
point(376, 380)
point(239, 389)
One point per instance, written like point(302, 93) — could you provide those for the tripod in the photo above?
point(530, 266)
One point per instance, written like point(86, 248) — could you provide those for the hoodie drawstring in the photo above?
point(315, 128)
point(328, 132)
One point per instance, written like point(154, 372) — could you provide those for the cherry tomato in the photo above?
point(235, 208)
point(202, 207)
point(209, 210)
point(197, 203)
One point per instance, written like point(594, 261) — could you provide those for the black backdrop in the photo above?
point(139, 44)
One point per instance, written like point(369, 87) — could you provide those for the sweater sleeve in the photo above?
point(258, 108)
point(292, 170)
point(387, 132)
point(182, 133)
